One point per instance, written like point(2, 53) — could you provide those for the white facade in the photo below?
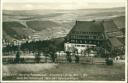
point(36, 37)
point(79, 47)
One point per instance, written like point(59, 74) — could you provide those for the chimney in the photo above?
point(93, 20)
point(76, 21)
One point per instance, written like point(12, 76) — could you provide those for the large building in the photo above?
point(85, 34)
point(115, 36)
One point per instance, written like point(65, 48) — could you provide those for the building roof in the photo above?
point(110, 26)
point(115, 42)
point(115, 34)
point(88, 26)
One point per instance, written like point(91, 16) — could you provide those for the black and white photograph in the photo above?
point(64, 40)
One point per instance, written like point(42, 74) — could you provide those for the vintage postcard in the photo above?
point(64, 41)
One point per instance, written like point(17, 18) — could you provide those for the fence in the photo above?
point(59, 59)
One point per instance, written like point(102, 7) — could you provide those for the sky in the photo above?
point(61, 4)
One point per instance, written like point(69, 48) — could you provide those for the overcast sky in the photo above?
point(60, 4)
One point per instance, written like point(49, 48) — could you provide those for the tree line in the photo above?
point(33, 46)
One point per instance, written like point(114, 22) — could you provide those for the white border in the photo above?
point(34, 81)
point(126, 50)
point(126, 59)
point(1, 39)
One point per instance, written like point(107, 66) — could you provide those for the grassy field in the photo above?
point(49, 71)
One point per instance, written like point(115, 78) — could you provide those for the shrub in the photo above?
point(109, 61)
point(17, 59)
point(37, 57)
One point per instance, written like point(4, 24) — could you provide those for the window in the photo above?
point(94, 37)
point(97, 37)
point(98, 42)
point(85, 41)
point(84, 32)
point(90, 41)
point(82, 45)
point(80, 41)
point(72, 41)
point(78, 45)
point(76, 41)
point(91, 37)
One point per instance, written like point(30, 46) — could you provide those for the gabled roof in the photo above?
point(109, 26)
point(88, 26)
point(119, 21)
point(115, 42)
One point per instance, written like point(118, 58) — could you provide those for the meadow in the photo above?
point(52, 71)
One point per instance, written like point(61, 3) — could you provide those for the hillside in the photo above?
point(13, 29)
point(41, 25)
point(54, 23)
